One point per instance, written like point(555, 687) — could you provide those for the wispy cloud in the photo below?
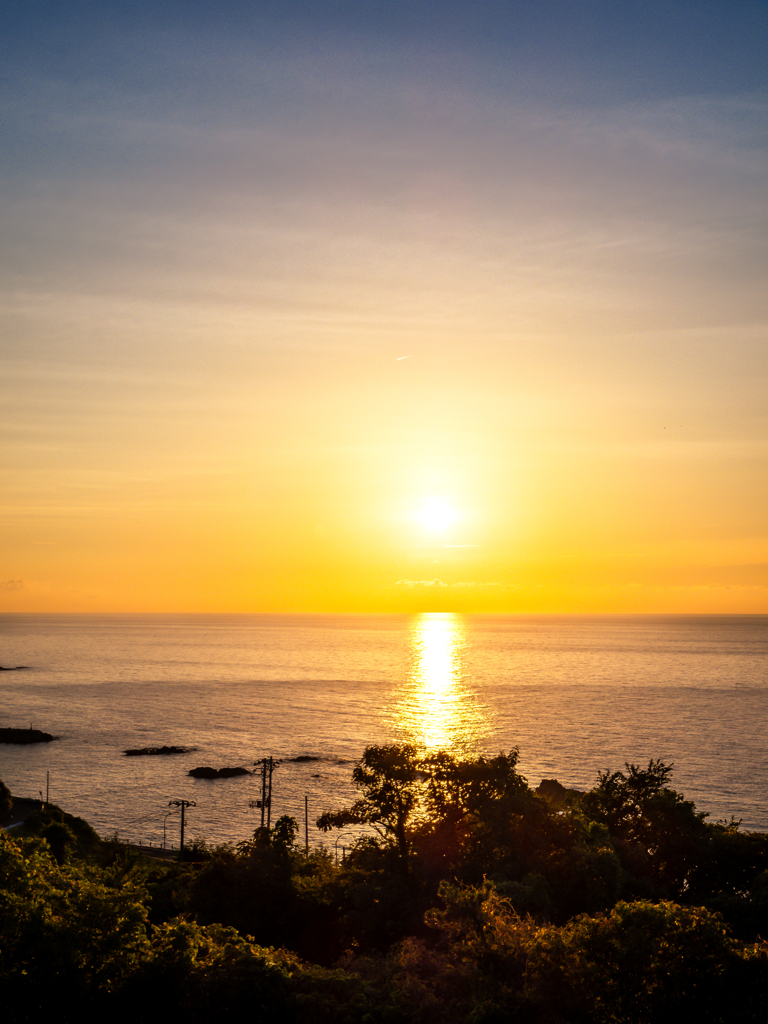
point(421, 583)
point(439, 583)
point(474, 584)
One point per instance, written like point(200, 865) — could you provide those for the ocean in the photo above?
point(575, 694)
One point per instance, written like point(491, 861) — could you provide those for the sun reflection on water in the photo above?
point(438, 709)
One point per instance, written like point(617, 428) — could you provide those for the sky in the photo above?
point(362, 307)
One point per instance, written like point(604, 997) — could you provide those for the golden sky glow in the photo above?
point(352, 317)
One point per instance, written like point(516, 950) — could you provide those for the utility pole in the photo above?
point(306, 823)
point(271, 765)
point(263, 789)
point(268, 765)
point(182, 804)
point(263, 802)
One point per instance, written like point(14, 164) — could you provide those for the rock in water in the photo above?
point(217, 773)
point(141, 751)
point(25, 736)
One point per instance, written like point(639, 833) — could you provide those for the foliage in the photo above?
point(269, 889)
point(431, 800)
point(621, 800)
point(281, 837)
point(67, 933)
point(389, 780)
point(418, 983)
point(583, 870)
point(643, 962)
point(470, 789)
point(204, 973)
point(6, 800)
point(466, 900)
point(66, 834)
point(472, 810)
point(657, 827)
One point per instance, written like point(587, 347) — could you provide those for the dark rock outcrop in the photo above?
point(217, 773)
point(141, 751)
point(25, 736)
point(556, 792)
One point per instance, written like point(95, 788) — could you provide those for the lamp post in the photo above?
point(336, 844)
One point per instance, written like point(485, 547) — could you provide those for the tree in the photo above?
point(65, 833)
point(435, 805)
point(473, 808)
point(390, 781)
point(471, 789)
point(641, 810)
point(281, 837)
point(621, 801)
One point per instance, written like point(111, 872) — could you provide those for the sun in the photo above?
point(436, 515)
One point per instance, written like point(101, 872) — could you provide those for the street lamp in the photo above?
point(336, 844)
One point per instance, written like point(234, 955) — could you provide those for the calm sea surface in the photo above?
point(575, 694)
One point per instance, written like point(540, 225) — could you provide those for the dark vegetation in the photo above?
point(466, 897)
